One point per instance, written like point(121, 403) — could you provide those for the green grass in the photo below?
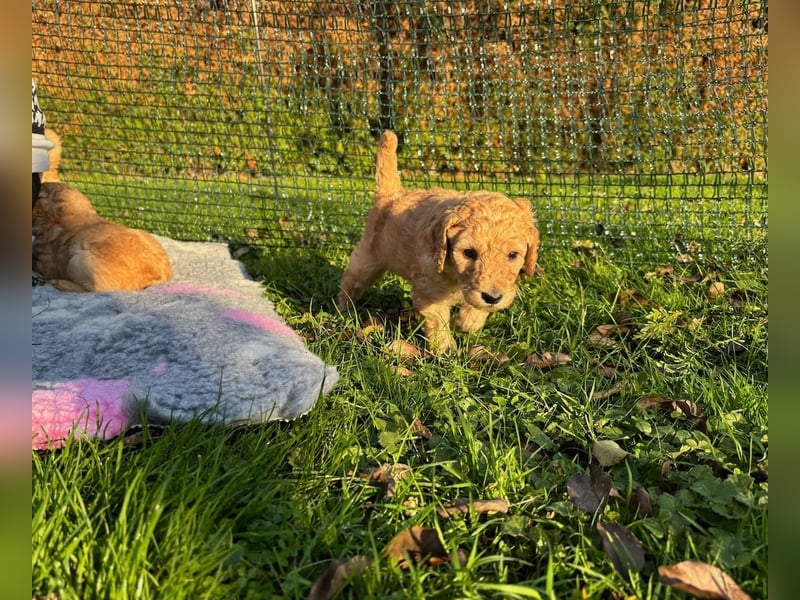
point(260, 512)
point(637, 218)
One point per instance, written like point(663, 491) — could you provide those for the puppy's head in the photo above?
point(489, 241)
point(60, 204)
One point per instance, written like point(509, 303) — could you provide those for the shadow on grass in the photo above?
point(309, 281)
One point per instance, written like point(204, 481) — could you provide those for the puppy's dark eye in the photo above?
point(471, 253)
point(513, 255)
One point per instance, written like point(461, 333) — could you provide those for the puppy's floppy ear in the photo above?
point(437, 236)
point(531, 236)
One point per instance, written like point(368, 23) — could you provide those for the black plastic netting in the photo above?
point(634, 127)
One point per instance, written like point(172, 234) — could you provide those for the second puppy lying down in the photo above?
point(76, 250)
point(466, 248)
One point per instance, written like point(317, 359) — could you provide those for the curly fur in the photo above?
point(76, 250)
point(455, 248)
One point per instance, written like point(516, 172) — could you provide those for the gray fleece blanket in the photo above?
point(207, 344)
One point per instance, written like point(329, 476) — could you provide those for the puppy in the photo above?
point(455, 248)
point(76, 250)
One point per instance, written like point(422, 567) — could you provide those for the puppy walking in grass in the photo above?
point(455, 248)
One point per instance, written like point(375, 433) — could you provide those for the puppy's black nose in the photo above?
point(489, 299)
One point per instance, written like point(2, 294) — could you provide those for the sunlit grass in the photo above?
point(261, 511)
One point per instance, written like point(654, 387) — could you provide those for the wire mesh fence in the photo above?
point(636, 127)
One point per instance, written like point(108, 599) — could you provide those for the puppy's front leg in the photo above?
point(470, 318)
point(435, 325)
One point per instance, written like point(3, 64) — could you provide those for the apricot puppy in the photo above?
point(77, 250)
point(455, 248)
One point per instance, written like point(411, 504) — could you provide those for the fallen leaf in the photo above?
point(623, 317)
point(622, 548)
point(336, 575)
point(547, 360)
point(484, 354)
point(419, 429)
point(607, 336)
point(415, 544)
point(613, 389)
point(404, 350)
point(738, 298)
point(701, 580)
point(669, 274)
point(401, 371)
point(387, 475)
point(608, 452)
point(605, 369)
point(640, 503)
point(715, 291)
point(664, 272)
point(634, 298)
point(462, 506)
point(591, 492)
point(686, 407)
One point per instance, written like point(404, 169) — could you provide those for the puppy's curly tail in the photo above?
point(387, 178)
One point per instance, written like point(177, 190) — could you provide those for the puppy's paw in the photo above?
point(470, 318)
point(343, 301)
point(440, 341)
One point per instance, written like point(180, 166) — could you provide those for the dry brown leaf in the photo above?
point(335, 576)
point(686, 407)
point(387, 475)
point(664, 272)
point(592, 491)
point(715, 291)
point(462, 506)
point(404, 350)
point(622, 548)
point(669, 274)
point(623, 317)
point(484, 354)
point(605, 369)
point(416, 544)
point(419, 429)
point(696, 278)
point(640, 503)
point(547, 360)
point(634, 298)
point(701, 580)
point(602, 394)
point(607, 336)
point(738, 298)
point(402, 371)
